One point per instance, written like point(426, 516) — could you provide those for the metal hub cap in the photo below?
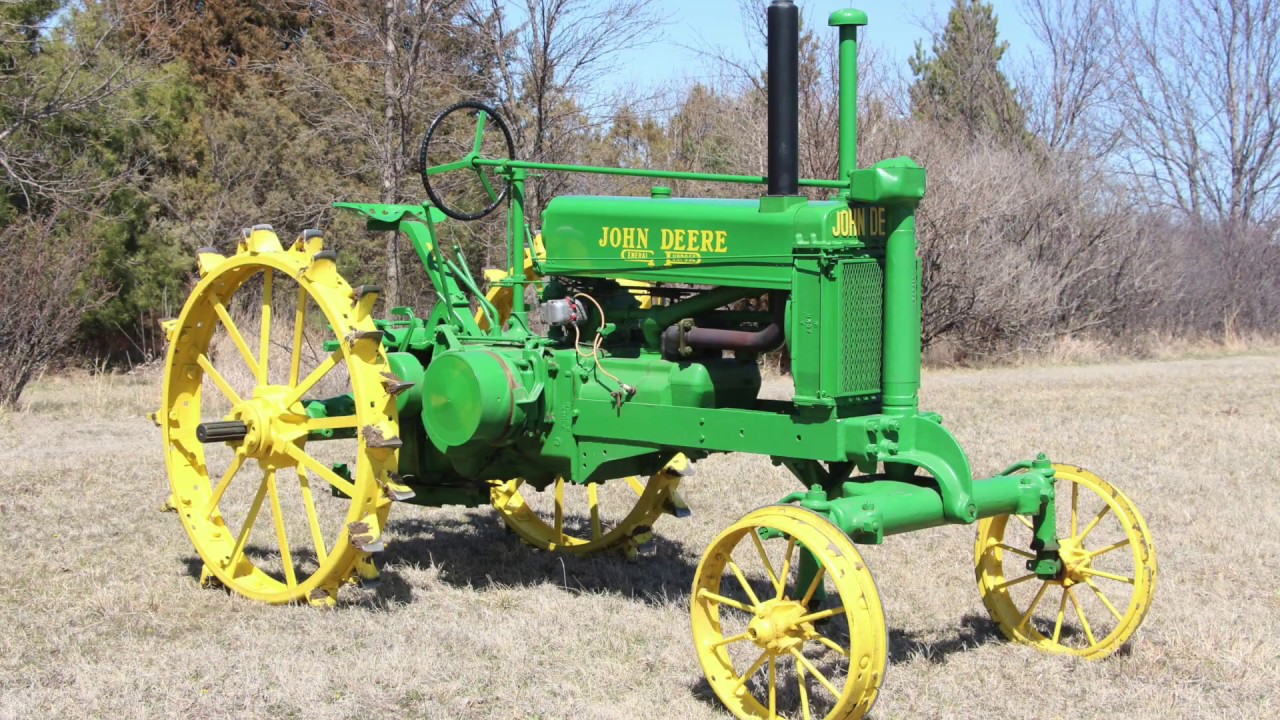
point(774, 627)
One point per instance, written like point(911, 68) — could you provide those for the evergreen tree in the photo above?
point(961, 84)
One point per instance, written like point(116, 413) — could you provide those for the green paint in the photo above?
point(844, 278)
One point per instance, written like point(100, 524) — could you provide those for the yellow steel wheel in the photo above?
point(224, 487)
point(577, 519)
point(1108, 579)
point(768, 646)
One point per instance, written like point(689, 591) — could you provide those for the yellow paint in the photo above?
point(1037, 616)
point(501, 297)
point(275, 450)
point(629, 238)
point(859, 222)
point(780, 621)
point(654, 497)
point(682, 240)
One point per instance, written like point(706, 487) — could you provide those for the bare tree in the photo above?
point(1066, 87)
point(550, 67)
point(1199, 101)
point(44, 277)
point(1198, 106)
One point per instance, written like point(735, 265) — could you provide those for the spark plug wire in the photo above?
point(594, 355)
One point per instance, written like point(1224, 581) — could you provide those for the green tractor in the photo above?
point(655, 312)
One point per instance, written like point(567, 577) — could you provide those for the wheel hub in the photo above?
point(1076, 561)
point(775, 628)
point(271, 425)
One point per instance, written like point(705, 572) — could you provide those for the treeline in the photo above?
point(1123, 186)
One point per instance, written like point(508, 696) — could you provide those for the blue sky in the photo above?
point(895, 27)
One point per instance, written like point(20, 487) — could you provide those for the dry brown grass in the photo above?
point(103, 617)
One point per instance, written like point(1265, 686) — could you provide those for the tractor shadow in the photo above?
point(477, 552)
point(973, 631)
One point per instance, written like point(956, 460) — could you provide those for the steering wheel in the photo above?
point(485, 175)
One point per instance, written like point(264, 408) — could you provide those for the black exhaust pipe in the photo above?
point(784, 98)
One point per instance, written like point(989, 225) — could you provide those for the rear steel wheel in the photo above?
point(577, 519)
point(776, 640)
point(239, 441)
point(1108, 577)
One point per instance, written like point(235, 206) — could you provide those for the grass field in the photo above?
point(103, 616)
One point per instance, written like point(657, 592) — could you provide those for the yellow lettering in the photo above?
point(680, 240)
point(722, 238)
point(604, 236)
point(642, 234)
point(668, 239)
point(708, 241)
point(629, 238)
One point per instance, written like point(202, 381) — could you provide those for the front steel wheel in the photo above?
point(1108, 577)
point(782, 634)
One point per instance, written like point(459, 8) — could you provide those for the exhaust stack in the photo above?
point(784, 98)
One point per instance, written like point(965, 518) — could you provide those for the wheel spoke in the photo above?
point(593, 499)
point(559, 510)
point(316, 376)
point(1097, 519)
point(488, 188)
point(773, 687)
point(729, 640)
point(248, 526)
point(223, 386)
point(449, 167)
point(277, 514)
point(822, 679)
point(636, 486)
point(755, 666)
point(1107, 575)
point(236, 338)
point(1062, 614)
point(768, 566)
point(1015, 551)
point(264, 342)
point(804, 693)
point(1084, 622)
point(742, 580)
point(814, 584)
point(821, 615)
point(1026, 522)
point(481, 118)
point(1026, 617)
point(317, 537)
point(1011, 583)
point(1109, 548)
point(1075, 507)
point(221, 488)
point(299, 325)
point(1102, 596)
point(786, 569)
point(722, 600)
point(832, 644)
point(318, 468)
point(341, 422)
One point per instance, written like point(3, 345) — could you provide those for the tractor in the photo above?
point(576, 388)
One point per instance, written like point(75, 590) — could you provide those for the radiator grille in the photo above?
point(862, 307)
